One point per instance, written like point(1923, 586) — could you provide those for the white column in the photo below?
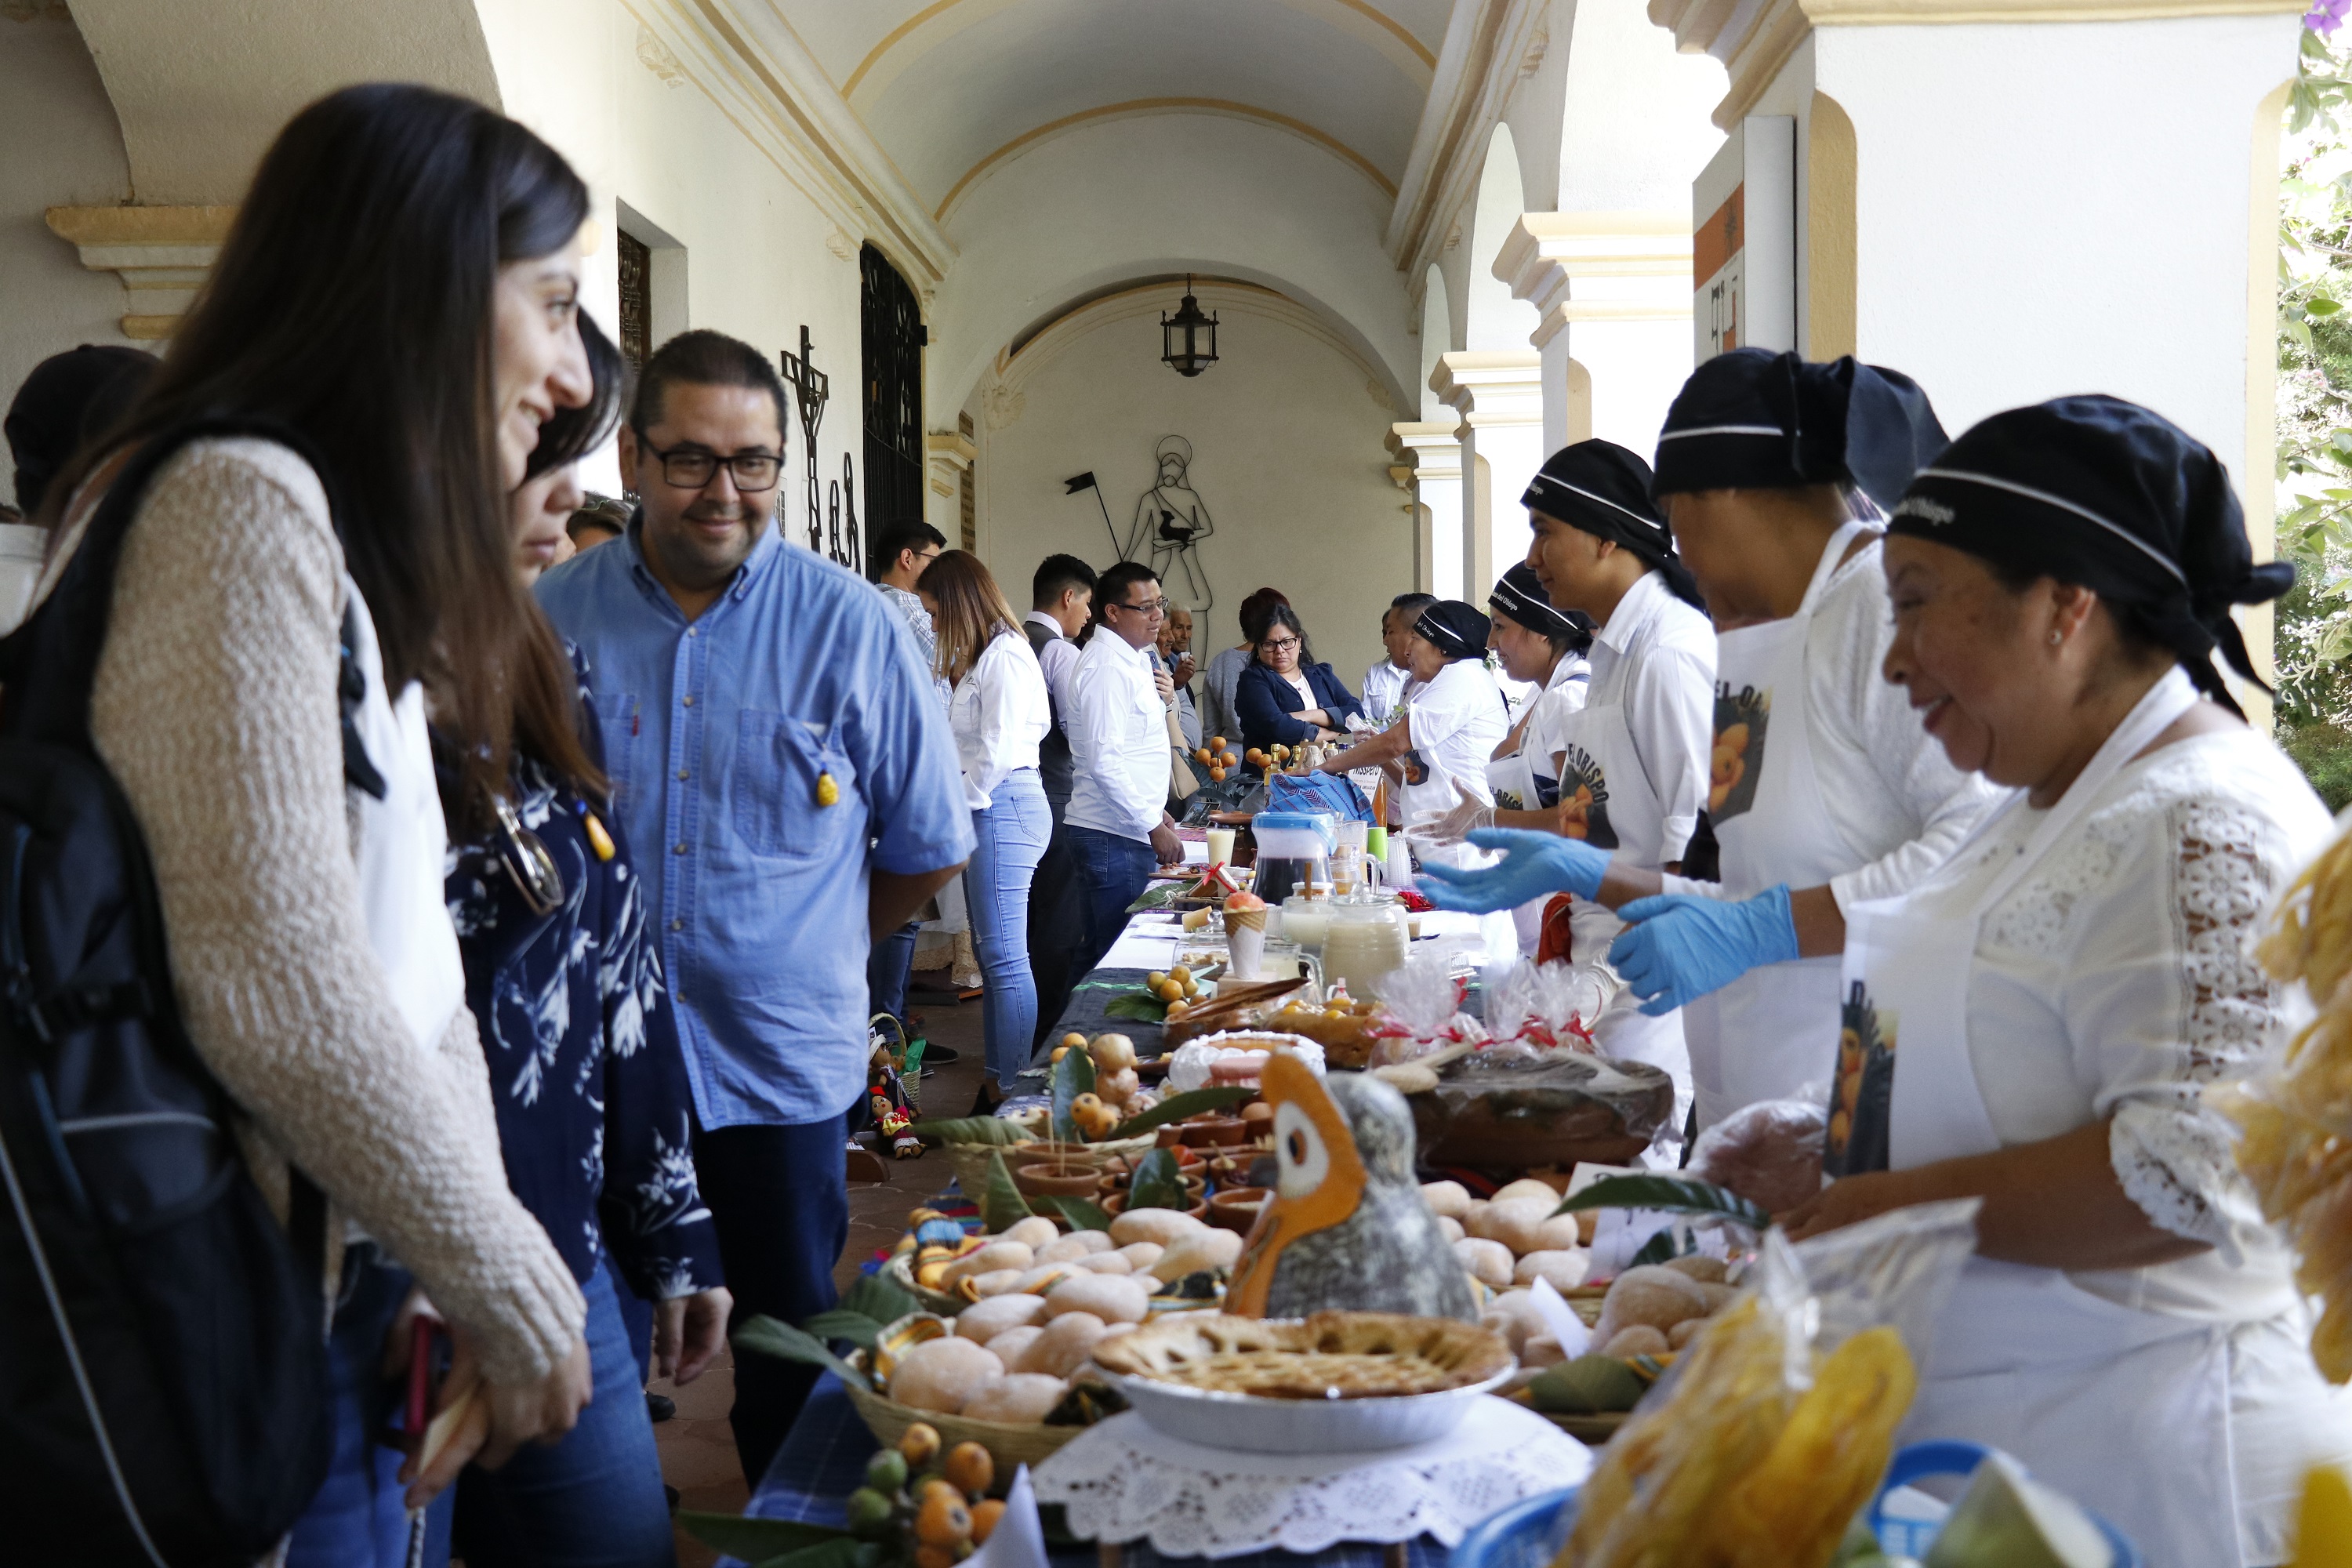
point(1499, 395)
point(1435, 447)
point(949, 455)
point(1613, 295)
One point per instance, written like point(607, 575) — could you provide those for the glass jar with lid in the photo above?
point(1366, 939)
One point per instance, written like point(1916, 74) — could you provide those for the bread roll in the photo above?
point(1514, 1222)
point(1165, 1227)
point(1113, 1298)
point(982, 1321)
point(1560, 1234)
point(1009, 1345)
point(1566, 1270)
point(1107, 1263)
point(1451, 1227)
point(997, 1281)
point(1449, 1199)
point(1076, 1245)
point(1514, 1316)
point(1680, 1336)
point(1488, 1262)
point(1208, 1248)
point(1541, 1349)
point(1063, 1345)
point(1651, 1295)
point(1698, 1266)
point(1036, 1231)
point(1543, 1192)
point(943, 1375)
point(1021, 1398)
point(1639, 1340)
point(994, 1256)
point(1142, 1254)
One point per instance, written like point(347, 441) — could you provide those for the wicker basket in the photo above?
point(900, 1271)
point(1010, 1445)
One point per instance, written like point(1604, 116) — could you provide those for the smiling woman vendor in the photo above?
point(2067, 983)
point(1453, 721)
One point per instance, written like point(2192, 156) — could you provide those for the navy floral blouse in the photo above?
point(593, 1105)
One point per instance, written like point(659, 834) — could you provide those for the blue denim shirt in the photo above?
point(718, 736)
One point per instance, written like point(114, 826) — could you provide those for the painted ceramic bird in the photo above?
point(1347, 1226)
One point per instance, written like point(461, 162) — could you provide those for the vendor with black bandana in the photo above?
point(1453, 719)
point(2038, 1022)
point(1633, 761)
point(1823, 790)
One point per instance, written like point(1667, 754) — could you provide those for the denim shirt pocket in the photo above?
point(616, 716)
point(780, 766)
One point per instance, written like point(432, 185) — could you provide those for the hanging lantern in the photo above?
point(1189, 338)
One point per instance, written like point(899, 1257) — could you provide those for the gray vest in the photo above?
point(1054, 750)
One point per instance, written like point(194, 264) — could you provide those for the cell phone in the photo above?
point(429, 1350)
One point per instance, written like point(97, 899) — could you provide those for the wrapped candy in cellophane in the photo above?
point(1770, 1433)
point(1770, 1153)
point(1421, 1011)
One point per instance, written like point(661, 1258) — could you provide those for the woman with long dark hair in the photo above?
point(395, 311)
point(1223, 673)
point(1284, 697)
point(595, 1115)
point(999, 712)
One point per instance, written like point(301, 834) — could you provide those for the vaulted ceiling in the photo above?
point(953, 89)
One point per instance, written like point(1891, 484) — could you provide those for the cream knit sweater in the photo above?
point(215, 708)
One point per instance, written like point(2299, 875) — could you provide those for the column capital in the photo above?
point(950, 455)
point(1434, 447)
point(162, 253)
point(1599, 267)
point(1491, 387)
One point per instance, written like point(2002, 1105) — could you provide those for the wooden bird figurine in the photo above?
point(1346, 1227)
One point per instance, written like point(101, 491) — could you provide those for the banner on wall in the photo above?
point(1744, 240)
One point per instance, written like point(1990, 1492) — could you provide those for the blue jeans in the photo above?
point(358, 1520)
point(1112, 874)
point(1011, 837)
point(889, 965)
point(593, 1500)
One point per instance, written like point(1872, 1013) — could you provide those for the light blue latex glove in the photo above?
point(1535, 866)
point(1677, 948)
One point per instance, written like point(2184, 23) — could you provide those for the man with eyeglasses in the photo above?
point(778, 754)
point(1117, 821)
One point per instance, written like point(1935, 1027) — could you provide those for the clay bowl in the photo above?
point(1236, 1208)
point(1189, 1162)
point(1232, 1169)
point(1114, 1203)
point(1212, 1131)
point(1056, 1179)
point(1116, 1182)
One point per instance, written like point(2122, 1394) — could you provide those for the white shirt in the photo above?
point(1383, 690)
point(1562, 695)
point(1058, 659)
point(1655, 660)
point(1119, 740)
point(1457, 721)
point(1894, 796)
point(999, 714)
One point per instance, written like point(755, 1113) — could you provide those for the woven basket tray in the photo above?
point(899, 1270)
point(1010, 1445)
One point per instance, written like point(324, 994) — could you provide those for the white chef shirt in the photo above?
point(1119, 740)
point(1562, 695)
point(1458, 718)
point(1894, 797)
point(1383, 690)
point(1058, 659)
point(1655, 660)
point(999, 712)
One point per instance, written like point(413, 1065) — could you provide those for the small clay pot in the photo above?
point(1189, 1162)
point(1236, 1208)
point(1056, 1179)
point(1116, 1203)
point(1117, 1182)
point(1212, 1131)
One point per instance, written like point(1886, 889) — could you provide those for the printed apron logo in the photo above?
point(1740, 719)
point(1863, 1104)
point(1584, 800)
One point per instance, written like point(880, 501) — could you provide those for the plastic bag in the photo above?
point(1421, 1003)
point(1770, 1153)
point(1772, 1431)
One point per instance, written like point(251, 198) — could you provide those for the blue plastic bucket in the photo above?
point(1911, 1538)
point(1527, 1534)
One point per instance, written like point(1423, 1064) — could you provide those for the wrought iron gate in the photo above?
point(892, 325)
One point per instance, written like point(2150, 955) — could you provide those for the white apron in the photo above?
point(1759, 1037)
point(1524, 782)
point(403, 842)
point(2126, 1411)
point(1601, 771)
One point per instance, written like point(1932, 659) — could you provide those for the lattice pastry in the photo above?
point(1331, 1355)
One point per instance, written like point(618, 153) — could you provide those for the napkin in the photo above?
point(1019, 1539)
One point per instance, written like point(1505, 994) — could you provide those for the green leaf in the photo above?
point(882, 1299)
point(1082, 1213)
point(997, 1130)
point(1158, 897)
point(1177, 1107)
point(1140, 1005)
point(1158, 1183)
point(1001, 1204)
point(837, 1553)
point(1667, 1194)
point(2321, 305)
point(841, 1324)
point(767, 1337)
point(1657, 1249)
point(756, 1540)
point(1074, 1075)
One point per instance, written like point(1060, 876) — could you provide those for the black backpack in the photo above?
point(163, 1388)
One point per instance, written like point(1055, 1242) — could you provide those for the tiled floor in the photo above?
point(697, 1448)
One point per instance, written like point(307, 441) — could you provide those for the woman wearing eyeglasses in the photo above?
point(595, 1116)
point(1284, 697)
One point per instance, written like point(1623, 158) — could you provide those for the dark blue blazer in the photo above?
point(1264, 703)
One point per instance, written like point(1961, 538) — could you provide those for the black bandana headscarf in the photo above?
point(1604, 489)
point(1456, 627)
point(68, 398)
point(1520, 597)
point(1752, 419)
point(2114, 496)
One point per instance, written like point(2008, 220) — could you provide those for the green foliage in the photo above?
point(1002, 1205)
point(1000, 1130)
point(2323, 752)
point(769, 1337)
point(759, 1541)
point(1140, 1005)
point(1158, 1183)
point(1667, 1194)
point(1074, 1075)
point(1082, 1213)
point(1177, 1107)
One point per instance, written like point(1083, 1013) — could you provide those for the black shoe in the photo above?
point(660, 1408)
point(939, 1056)
point(670, 1492)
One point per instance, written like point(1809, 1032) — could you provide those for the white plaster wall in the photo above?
point(1629, 127)
point(755, 254)
point(2060, 208)
point(1101, 205)
point(63, 148)
point(1287, 457)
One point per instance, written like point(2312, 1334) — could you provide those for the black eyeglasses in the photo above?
point(1279, 645)
point(691, 468)
point(1148, 606)
point(529, 865)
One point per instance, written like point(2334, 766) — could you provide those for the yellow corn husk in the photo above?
point(1791, 1510)
point(2323, 1526)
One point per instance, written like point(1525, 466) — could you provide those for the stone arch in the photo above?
point(1495, 321)
point(1437, 338)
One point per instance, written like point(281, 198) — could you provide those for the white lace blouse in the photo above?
point(2118, 981)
